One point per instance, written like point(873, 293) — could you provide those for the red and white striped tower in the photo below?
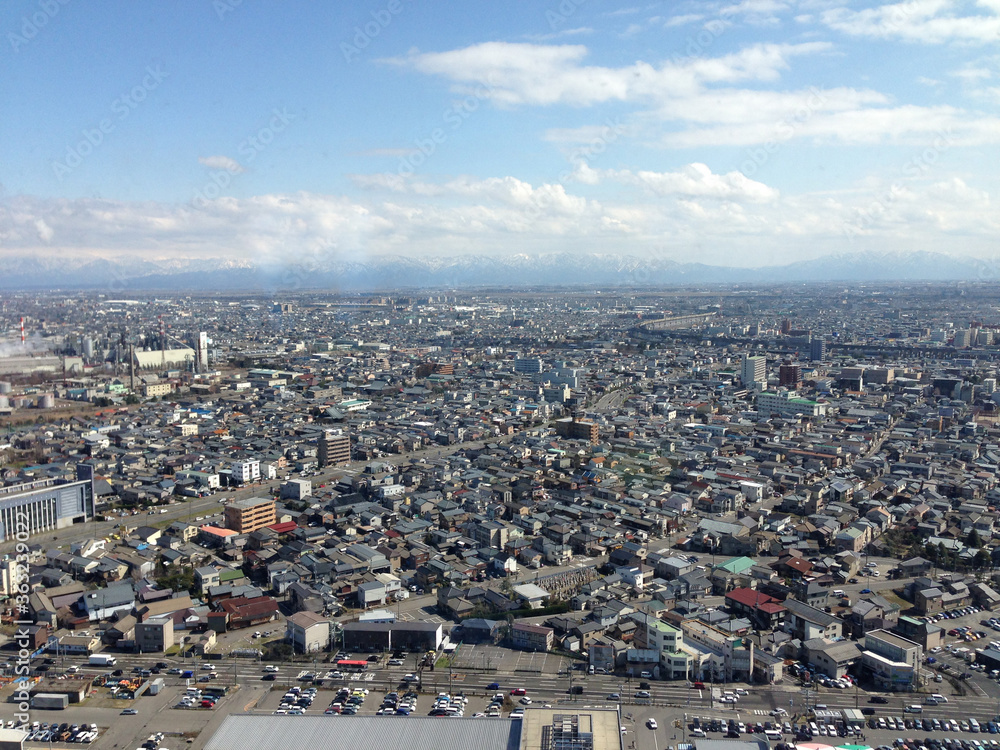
point(22, 330)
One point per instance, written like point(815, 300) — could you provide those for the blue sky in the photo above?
point(747, 133)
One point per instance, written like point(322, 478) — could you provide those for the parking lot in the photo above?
point(372, 702)
point(484, 657)
point(966, 630)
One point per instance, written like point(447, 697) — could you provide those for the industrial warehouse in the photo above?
point(540, 729)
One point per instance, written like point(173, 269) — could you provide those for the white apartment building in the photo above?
point(246, 471)
point(753, 370)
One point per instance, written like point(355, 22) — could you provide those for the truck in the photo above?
point(102, 660)
point(56, 701)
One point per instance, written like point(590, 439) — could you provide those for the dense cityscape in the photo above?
point(745, 510)
point(562, 375)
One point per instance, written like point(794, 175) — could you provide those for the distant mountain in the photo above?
point(124, 275)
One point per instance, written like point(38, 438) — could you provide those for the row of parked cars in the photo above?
point(394, 705)
point(933, 743)
point(56, 732)
point(733, 728)
point(296, 701)
point(967, 634)
point(953, 614)
point(970, 725)
point(446, 705)
point(347, 702)
point(194, 698)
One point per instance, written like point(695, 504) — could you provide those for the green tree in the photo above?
point(982, 559)
point(507, 586)
point(972, 539)
point(178, 580)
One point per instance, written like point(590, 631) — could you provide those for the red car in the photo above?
point(518, 691)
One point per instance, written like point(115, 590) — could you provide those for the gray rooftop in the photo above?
point(352, 732)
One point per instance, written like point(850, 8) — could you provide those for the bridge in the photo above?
point(676, 321)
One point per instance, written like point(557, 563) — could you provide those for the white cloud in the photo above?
point(926, 21)
point(693, 180)
point(683, 20)
point(578, 31)
point(697, 93)
point(727, 214)
point(45, 232)
point(221, 162)
point(519, 74)
point(756, 12)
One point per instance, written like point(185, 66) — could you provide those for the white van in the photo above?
point(939, 698)
point(773, 734)
point(838, 592)
point(914, 709)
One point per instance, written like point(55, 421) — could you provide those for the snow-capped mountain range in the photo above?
point(121, 275)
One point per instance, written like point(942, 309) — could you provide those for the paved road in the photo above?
point(669, 700)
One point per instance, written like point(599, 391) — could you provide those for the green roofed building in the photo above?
point(736, 565)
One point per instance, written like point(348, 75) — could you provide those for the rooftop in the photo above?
point(353, 732)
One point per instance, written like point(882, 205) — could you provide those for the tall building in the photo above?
point(789, 376)
point(334, 448)
point(753, 370)
point(963, 337)
point(202, 351)
point(528, 366)
point(817, 350)
point(244, 516)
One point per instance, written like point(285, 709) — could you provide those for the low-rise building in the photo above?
point(531, 637)
point(308, 632)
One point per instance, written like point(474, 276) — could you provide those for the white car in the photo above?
point(651, 723)
point(270, 668)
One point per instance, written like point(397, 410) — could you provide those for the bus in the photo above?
point(352, 665)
